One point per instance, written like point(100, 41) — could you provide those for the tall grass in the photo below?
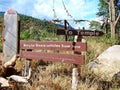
point(96, 45)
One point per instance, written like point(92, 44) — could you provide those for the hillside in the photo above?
point(32, 28)
point(28, 22)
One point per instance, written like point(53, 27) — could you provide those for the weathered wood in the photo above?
point(65, 27)
point(75, 78)
point(56, 57)
point(66, 46)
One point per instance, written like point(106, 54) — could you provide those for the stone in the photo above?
point(107, 65)
point(10, 35)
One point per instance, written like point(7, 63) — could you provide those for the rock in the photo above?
point(107, 65)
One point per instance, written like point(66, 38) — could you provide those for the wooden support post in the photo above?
point(75, 71)
point(65, 26)
point(27, 64)
point(18, 44)
point(84, 53)
point(74, 78)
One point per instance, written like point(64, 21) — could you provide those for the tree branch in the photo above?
point(10, 62)
point(106, 1)
point(117, 19)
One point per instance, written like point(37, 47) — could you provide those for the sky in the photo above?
point(43, 9)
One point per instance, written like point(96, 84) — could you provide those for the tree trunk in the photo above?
point(112, 18)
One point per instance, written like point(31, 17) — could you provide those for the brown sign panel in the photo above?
point(65, 58)
point(67, 46)
point(79, 32)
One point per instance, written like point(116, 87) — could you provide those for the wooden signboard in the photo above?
point(79, 32)
point(55, 57)
point(37, 53)
point(50, 45)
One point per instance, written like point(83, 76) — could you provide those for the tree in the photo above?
point(112, 17)
point(112, 14)
point(95, 25)
point(103, 9)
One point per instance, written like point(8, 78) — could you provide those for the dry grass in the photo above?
point(57, 76)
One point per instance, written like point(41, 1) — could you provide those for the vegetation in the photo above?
point(34, 29)
point(1, 22)
point(57, 76)
point(109, 9)
point(95, 25)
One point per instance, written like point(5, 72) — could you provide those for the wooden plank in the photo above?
point(68, 46)
point(79, 32)
point(66, 58)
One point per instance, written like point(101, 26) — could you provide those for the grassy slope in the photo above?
point(43, 29)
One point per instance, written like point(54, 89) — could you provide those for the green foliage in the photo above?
point(33, 28)
point(112, 15)
point(33, 34)
point(42, 35)
point(1, 22)
point(103, 9)
point(1, 43)
point(1, 19)
point(28, 22)
point(95, 25)
point(1, 47)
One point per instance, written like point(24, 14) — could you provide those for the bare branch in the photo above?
point(20, 79)
point(117, 19)
point(10, 62)
point(106, 1)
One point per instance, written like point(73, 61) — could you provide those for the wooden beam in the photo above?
point(58, 45)
point(79, 32)
point(56, 57)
